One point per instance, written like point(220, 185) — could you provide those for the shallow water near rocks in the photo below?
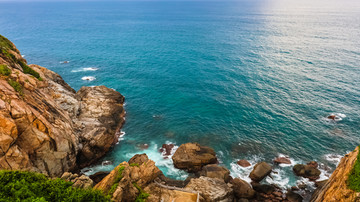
point(251, 79)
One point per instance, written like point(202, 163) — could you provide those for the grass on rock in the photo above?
point(4, 70)
point(29, 186)
point(354, 176)
point(142, 194)
point(17, 86)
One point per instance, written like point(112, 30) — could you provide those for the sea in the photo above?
point(253, 79)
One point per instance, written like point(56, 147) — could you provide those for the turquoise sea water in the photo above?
point(252, 79)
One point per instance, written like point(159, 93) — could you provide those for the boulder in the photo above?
point(211, 189)
point(159, 193)
point(293, 197)
point(307, 171)
point(138, 159)
point(242, 189)
point(263, 188)
point(313, 164)
point(192, 157)
point(243, 163)
point(260, 171)
point(215, 171)
point(282, 160)
point(166, 149)
point(97, 177)
point(81, 181)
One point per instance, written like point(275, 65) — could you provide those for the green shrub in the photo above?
point(118, 177)
point(28, 70)
point(354, 176)
point(29, 186)
point(134, 164)
point(6, 44)
point(142, 194)
point(4, 70)
point(17, 86)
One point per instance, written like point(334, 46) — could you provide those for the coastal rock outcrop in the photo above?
point(308, 171)
point(336, 189)
point(260, 171)
point(80, 181)
point(192, 157)
point(45, 125)
point(215, 171)
point(211, 189)
point(242, 189)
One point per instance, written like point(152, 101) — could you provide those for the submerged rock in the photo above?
point(192, 157)
point(260, 171)
point(282, 160)
point(243, 163)
point(293, 197)
point(307, 171)
point(166, 149)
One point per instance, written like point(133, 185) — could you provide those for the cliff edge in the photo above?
point(45, 125)
point(336, 188)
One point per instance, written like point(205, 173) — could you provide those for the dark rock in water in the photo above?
point(294, 188)
point(332, 117)
point(142, 146)
point(97, 177)
point(282, 160)
point(138, 159)
point(260, 171)
point(215, 171)
point(192, 157)
point(293, 197)
point(242, 189)
point(263, 188)
point(307, 171)
point(167, 148)
point(243, 163)
point(313, 164)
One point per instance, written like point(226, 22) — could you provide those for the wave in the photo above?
point(88, 78)
point(85, 69)
point(243, 172)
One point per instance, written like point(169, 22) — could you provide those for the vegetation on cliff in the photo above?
point(354, 176)
point(4, 70)
point(29, 186)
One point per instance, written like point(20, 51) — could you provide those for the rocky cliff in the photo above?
point(45, 125)
point(336, 189)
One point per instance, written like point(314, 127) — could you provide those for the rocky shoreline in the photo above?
point(48, 127)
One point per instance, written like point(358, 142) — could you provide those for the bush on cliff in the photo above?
point(4, 70)
point(16, 85)
point(29, 186)
point(354, 176)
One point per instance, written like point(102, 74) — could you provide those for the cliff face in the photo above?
point(46, 126)
point(335, 189)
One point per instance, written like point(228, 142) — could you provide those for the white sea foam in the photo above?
point(165, 163)
point(279, 178)
point(121, 136)
point(293, 162)
point(338, 117)
point(23, 56)
point(333, 158)
point(243, 172)
point(64, 62)
point(85, 69)
point(88, 78)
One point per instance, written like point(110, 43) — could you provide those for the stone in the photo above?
point(138, 159)
point(260, 171)
point(97, 177)
point(215, 171)
point(293, 197)
point(307, 171)
point(158, 193)
point(282, 160)
point(211, 189)
point(263, 188)
point(313, 164)
point(242, 189)
point(192, 157)
point(243, 163)
point(166, 149)
point(82, 181)
point(321, 183)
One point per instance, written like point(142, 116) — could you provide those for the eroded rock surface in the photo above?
point(192, 157)
point(46, 126)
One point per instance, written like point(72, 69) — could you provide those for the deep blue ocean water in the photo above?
point(252, 79)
